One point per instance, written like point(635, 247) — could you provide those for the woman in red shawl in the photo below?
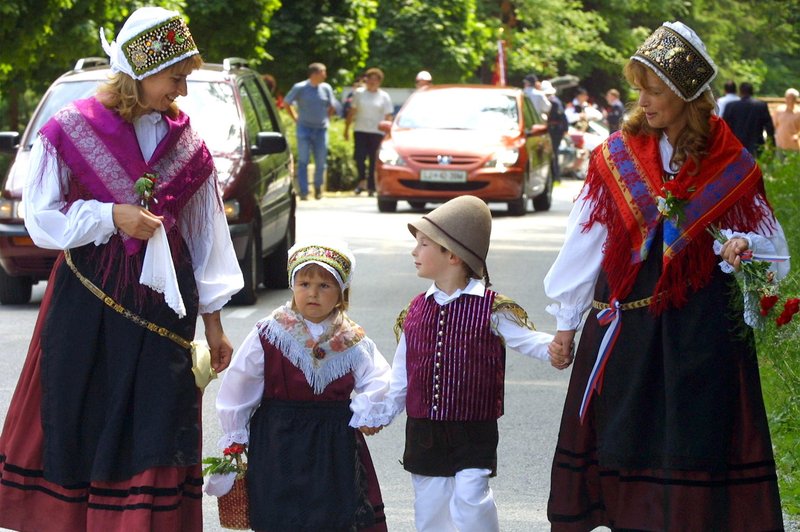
point(664, 425)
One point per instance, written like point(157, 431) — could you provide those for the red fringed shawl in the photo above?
point(625, 179)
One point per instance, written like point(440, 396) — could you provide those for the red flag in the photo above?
point(499, 74)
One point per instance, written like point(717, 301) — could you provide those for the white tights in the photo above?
point(463, 503)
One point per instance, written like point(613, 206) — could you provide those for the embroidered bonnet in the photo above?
point(152, 39)
point(334, 256)
point(678, 56)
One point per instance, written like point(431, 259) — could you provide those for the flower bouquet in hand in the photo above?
point(234, 509)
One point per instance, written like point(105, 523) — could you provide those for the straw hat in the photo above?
point(463, 225)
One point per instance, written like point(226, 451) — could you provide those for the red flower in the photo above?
point(236, 448)
point(767, 302)
point(677, 189)
point(790, 308)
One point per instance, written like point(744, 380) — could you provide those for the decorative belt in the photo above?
point(639, 303)
point(135, 318)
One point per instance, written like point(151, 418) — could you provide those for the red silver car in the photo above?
point(451, 140)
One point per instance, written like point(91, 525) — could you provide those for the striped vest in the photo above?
point(455, 364)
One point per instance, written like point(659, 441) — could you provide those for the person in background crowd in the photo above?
point(315, 103)
point(787, 123)
point(729, 96)
point(557, 125)
point(749, 119)
point(103, 431)
point(272, 87)
point(616, 110)
point(532, 88)
point(664, 426)
point(580, 110)
point(423, 79)
point(370, 106)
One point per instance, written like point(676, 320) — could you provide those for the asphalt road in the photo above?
point(522, 249)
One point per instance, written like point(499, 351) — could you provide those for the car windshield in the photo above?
point(460, 109)
point(210, 106)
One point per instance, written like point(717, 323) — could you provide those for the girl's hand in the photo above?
point(135, 221)
point(732, 251)
point(561, 349)
point(370, 431)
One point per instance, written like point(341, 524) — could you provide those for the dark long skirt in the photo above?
point(678, 439)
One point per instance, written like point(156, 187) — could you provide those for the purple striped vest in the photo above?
point(455, 364)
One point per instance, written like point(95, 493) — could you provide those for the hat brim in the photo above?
point(436, 234)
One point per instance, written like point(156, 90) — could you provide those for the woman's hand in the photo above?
point(561, 349)
point(135, 221)
point(221, 348)
point(732, 251)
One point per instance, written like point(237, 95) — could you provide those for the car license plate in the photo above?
point(443, 176)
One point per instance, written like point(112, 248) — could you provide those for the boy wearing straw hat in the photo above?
point(449, 368)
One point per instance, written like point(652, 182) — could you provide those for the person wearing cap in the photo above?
point(287, 397)
point(664, 426)
point(449, 367)
point(423, 79)
point(103, 432)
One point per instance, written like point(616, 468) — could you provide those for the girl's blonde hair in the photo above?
point(124, 94)
point(315, 270)
point(692, 142)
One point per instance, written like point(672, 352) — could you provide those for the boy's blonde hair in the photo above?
point(124, 94)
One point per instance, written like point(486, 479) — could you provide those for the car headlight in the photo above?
point(232, 210)
point(503, 158)
point(388, 155)
point(11, 209)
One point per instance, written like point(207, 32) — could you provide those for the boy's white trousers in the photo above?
point(463, 503)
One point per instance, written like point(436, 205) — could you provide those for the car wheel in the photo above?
point(543, 201)
point(418, 205)
point(249, 266)
point(276, 263)
point(14, 290)
point(387, 205)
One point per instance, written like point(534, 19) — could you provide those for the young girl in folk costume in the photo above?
point(449, 368)
point(664, 425)
point(287, 396)
point(103, 431)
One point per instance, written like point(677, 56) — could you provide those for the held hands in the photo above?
point(561, 349)
point(732, 251)
point(135, 221)
point(370, 431)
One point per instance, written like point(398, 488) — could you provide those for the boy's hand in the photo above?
point(370, 431)
point(561, 349)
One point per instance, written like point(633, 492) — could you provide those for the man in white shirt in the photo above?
point(729, 96)
point(532, 88)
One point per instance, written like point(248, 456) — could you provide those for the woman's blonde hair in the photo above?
point(315, 270)
point(124, 94)
point(692, 142)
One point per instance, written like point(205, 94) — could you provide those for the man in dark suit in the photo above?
point(749, 119)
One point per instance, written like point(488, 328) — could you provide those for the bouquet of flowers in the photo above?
point(145, 188)
point(676, 196)
point(761, 289)
point(234, 509)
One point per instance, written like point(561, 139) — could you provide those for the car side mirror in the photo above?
point(385, 126)
point(536, 130)
point(9, 142)
point(268, 142)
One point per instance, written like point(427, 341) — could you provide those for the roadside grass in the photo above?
point(779, 347)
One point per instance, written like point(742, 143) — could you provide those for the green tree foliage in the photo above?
point(223, 28)
point(332, 32)
point(446, 37)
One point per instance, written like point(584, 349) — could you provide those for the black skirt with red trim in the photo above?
point(678, 438)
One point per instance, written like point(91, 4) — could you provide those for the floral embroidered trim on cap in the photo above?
point(677, 61)
point(340, 262)
point(158, 46)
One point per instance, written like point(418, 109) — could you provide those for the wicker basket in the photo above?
point(234, 508)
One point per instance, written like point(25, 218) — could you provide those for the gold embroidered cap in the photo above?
point(334, 256)
point(678, 56)
point(152, 39)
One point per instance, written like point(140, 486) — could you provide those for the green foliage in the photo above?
point(445, 37)
point(778, 346)
point(331, 32)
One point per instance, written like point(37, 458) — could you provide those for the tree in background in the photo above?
point(446, 37)
point(332, 32)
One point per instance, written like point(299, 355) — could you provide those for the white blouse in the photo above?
point(521, 339)
point(216, 268)
point(243, 387)
point(572, 277)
